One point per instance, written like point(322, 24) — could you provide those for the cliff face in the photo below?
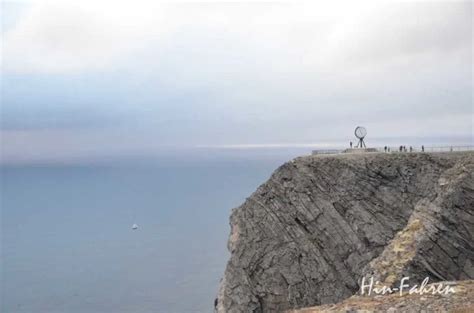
point(320, 223)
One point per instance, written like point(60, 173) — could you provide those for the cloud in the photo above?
point(404, 29)
point(71, 36)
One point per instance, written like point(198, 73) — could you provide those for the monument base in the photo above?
point(359, 150)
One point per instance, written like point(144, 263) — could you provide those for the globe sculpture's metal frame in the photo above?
point(360, 132)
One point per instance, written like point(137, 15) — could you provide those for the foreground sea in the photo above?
point(67, 244)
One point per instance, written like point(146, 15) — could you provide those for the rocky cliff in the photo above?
point(309, 234)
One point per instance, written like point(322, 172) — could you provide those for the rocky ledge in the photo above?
point(461, 300)
point(320, 224)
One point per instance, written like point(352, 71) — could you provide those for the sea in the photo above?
point(68, 246)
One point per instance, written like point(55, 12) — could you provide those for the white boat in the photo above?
point(134, 226)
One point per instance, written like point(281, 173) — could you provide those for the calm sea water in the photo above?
point(68, 246)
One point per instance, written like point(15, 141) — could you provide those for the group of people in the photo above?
point(400, 149)
point(404, 149)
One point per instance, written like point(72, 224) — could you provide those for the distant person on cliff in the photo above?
point(422, 148)
point(385, 148)
point(350, 143)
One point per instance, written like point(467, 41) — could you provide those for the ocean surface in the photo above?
point(68, 246)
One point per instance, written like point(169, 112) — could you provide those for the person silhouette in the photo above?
point(350, 143)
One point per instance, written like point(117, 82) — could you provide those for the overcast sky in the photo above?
point(87, 78)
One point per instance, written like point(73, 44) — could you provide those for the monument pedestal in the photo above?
point(359, 150)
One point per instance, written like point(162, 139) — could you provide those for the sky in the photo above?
point(108, 78)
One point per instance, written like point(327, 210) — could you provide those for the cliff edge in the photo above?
point(309, 234)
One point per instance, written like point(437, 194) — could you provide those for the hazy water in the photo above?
point(68, 245)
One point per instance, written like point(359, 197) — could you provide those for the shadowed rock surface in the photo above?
point(320, 223)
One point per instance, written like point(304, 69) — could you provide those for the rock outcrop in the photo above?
point(309, 234)
point(461, 300)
